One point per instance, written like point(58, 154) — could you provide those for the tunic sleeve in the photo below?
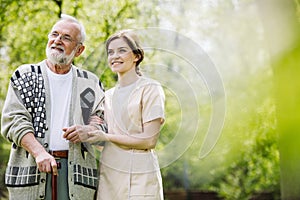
point(153, 101)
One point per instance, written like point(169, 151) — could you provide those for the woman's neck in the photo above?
point(127, 78)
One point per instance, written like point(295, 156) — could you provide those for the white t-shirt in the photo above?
point(60, 92)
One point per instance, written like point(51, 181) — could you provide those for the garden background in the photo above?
point(229, 70)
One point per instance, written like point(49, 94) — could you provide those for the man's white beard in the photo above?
point(58, 58)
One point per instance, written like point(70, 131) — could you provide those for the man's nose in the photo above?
point(58, 39)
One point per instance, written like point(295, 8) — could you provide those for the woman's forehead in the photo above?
point(118, 43)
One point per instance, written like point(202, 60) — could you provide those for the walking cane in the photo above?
point(54, 183)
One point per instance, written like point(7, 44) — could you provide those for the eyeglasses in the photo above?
point(62, 37)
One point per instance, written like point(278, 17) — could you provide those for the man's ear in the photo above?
point(79, 50)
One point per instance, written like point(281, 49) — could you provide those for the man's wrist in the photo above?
point(30, 144)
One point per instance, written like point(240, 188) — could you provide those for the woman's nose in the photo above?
point(115, 55)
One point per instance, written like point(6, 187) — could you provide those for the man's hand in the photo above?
point(79, 133)
point(96, 120)
point(46, 163)
point(76, 133)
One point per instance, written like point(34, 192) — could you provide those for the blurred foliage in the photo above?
point(4, 158)
point(255, 170)
point(287, 84)
point(249, 143)
point(245, 160)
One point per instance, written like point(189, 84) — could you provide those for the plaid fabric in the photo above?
point(22, 176)
point(32, 91)
point(85, 176)
point(87, 100)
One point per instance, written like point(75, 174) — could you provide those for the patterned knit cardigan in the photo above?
point(27, 109)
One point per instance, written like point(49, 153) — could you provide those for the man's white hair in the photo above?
point(81, 27)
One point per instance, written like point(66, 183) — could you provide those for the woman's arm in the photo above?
point(145, 140)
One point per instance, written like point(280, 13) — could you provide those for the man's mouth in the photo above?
point(57, 48)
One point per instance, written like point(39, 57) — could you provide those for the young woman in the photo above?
point(134, 112)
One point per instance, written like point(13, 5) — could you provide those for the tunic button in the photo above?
point(42, 196)
point(46, 128)
point(43, 180)
point(46, 145)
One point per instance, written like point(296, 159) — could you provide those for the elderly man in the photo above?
point(48, 105)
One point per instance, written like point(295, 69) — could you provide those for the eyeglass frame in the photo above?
point(63, 37)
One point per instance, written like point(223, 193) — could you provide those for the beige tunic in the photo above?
point(131, 174)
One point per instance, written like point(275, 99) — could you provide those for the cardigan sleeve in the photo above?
point(16, 121)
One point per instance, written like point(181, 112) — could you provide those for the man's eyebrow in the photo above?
point(66, 34)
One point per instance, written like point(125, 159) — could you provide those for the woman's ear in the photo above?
point(137, 57)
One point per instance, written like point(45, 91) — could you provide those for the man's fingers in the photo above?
point(44, 168)
point(96, 119)
point(74, 138)
point(68, 131)
point(70, 136)
point(45, 161)
point(54, 167)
